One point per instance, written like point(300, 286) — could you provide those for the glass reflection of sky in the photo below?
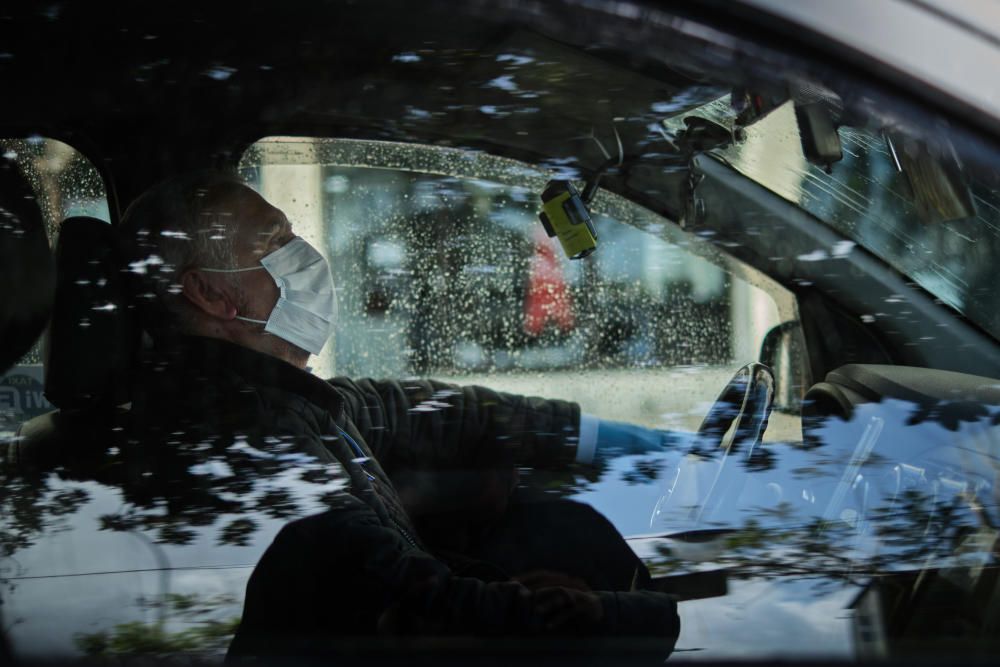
point(900, 487)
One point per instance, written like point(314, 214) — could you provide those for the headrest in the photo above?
point(91, 341)
point(26, 275)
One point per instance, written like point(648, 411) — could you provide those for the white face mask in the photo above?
point(306, 311)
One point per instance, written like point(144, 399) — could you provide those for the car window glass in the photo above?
point(931, 211)
point(443, 270)
point(65, 181)
point(65, 184)
point(858, 519)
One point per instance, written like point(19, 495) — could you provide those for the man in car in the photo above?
point(234, 304)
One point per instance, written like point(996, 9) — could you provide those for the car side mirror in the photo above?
point(783, 350)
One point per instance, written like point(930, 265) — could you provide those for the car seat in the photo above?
point(26, 273)
point(88, 350)
point(25, 266)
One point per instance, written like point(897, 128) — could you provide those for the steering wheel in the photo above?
point(733, 427)
point(738, 418)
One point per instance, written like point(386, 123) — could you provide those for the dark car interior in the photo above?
point(149, 92)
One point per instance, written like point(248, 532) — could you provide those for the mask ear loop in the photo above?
point(249, 268)
point(250, 319)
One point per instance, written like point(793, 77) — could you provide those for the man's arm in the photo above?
point(424, 424)
point(430, 425)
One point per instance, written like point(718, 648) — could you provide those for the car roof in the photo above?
point(946, 52)
point(150, 91)
point(147, 91)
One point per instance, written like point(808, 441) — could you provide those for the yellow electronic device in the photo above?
point(564, 214)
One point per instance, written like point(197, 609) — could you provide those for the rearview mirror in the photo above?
point(820, 141)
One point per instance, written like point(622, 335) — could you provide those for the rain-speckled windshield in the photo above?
point(442, 268)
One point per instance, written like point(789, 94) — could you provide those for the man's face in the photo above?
point(258, 229)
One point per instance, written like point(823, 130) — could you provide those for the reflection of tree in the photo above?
point(758, 549)
point(174, 504)
point(173, 492)
point(915, 531)
point(26, 510)
point(201, 632)
point(561, 483)
point(174, 489)
point(166, 481)
point(929, 563)
point(918, 527)
point(917, 503)
point(644, 470)
point(952, 414)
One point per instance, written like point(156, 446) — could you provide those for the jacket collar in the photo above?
point(197, 360)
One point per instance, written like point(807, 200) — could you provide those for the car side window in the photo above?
point(443, 269)
point(65, 184)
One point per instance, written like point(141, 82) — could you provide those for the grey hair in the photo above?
point(170, 229)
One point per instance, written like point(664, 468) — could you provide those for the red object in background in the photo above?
point(547, 299)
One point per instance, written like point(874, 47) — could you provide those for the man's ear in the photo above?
point(203, 293)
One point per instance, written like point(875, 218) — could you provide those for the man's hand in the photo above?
point(571, 609)
point(561, 601)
